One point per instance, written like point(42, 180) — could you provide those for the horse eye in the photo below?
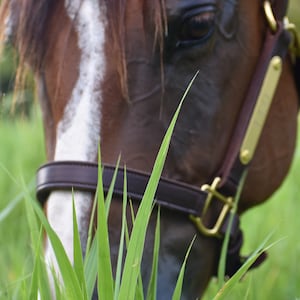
point(196, 29)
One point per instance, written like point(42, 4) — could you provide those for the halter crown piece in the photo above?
point(281, 38)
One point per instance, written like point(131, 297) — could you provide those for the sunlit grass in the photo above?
point(21, 152)
point(76, 285)
point(278, 278)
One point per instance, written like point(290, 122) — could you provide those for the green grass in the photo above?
point(77, 285)
point(21, 152)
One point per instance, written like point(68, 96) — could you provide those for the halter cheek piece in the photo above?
point(221, 194)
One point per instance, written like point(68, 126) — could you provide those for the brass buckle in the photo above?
point(212, 193)
point(270, 17)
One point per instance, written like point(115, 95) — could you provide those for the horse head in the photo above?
point(112, 72)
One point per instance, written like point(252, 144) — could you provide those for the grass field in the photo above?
point(22, 151)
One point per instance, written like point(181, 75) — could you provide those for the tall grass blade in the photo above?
point(111, 187)
point(231, 283)
point(59, 294)
point(136, 243)
point(44, 288)
point(4, 213)
point(39, 280)
point(105, 276)
point(31, 217)
point(139, 292)
point(33, 292)
point(70, 279)
point(152, 287)
point(178, 288)
point(224, 250)
point(135, 247)
point(77, 252)
point(122, 239)
point(91, 225)
point(90, 258)
point(91, 268)
point(9, 174)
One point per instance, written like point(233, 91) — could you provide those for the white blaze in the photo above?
point(79, 130)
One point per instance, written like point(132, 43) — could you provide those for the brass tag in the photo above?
point(261, 110)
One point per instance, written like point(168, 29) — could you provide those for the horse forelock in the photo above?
point(118, 11)
point(26, 24)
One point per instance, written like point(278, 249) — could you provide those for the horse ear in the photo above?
point(228, 21)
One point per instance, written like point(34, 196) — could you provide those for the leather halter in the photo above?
point(184, 198)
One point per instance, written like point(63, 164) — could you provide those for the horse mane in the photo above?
point(28, 35)
point(25, 32)
point(30, 19)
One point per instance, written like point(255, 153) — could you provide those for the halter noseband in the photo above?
point(184, 198)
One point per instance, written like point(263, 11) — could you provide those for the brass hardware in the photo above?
point(245, 156)
point(270, 16)
point(212, 193)
point(261, 110)
point(295, 43)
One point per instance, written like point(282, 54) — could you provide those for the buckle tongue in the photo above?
point(213, 194)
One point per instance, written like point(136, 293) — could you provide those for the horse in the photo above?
point(112, 72)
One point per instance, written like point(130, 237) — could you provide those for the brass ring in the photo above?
point(270, 16)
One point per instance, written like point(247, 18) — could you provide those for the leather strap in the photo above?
point(176, 196)
point(279, 8)
point(83, 176)
point(276, 44)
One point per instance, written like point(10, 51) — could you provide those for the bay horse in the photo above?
point(112, 72)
